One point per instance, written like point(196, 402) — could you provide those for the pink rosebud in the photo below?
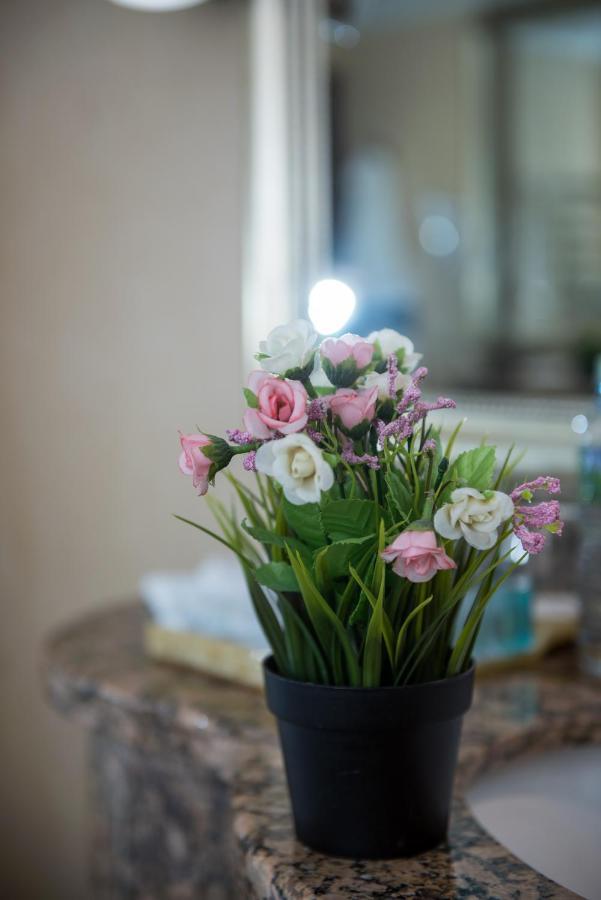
point(192, 460)
point(282, 406)
point(354, 407)
point(337, 350)
point(415, 555)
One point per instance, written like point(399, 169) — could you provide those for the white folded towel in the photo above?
point(212, 600)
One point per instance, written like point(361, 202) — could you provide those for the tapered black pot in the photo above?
point(370, 770)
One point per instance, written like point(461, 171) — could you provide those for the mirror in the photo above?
point(466, 184)
point(442, 159)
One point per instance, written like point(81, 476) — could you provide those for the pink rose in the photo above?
point(282, 406)
point(354, 407)
point(192, 460)
point(416, 556)
point(337, 350)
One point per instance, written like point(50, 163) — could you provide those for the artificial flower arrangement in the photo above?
point(361, 537)
point(362, 522)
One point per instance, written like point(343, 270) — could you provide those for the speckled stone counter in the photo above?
point(189, 796)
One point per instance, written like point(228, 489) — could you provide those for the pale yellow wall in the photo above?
point(122, 158)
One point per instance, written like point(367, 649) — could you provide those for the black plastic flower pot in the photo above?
point(370, 770)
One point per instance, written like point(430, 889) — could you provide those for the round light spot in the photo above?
point(579, 424)
point(438, 236)
point(331, 304)
point(346, 36)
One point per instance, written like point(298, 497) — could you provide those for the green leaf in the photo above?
point(268, 622)
point(360, 614)
point(451, 442)
point(344, 519)
point(302, 644)
point(305, 522)
point(474, 468)
point(403, 629)
point(251, 507)
point(298, 664)
point(400, 497)
point(278, 576)
point(228, 522)
point(342, 374)
point(337, 557)
point(509, 464)
point(324, 620)
point(251, 399)
point(372, 652)
point(344, 607)
point(269, 538)
point(215, 537)
point(323, 579)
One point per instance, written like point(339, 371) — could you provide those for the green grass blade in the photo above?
point(403, 629)
point(292, 615)
point(216, 537)
point(268, 622)
point(323, 618)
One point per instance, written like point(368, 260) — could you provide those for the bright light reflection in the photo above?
point(331, 304)
point(579, 424)
point(157, 5)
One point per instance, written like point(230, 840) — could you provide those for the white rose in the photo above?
point(288, 347)
point(473, 516)
point(390, 341)
point(299, 467)
point(374, 380)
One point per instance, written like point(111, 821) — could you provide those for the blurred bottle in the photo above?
point(507, 629)
point(589, 575)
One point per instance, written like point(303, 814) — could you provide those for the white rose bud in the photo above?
point(299, 467)
point(381, 382)
point(288, 347)
point(390, 341)
point(473, 516)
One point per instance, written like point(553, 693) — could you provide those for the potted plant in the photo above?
point(360, 537)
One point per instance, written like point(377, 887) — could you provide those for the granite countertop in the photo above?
point(96, 671)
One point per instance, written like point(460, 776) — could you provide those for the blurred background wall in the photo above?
point(122, 164)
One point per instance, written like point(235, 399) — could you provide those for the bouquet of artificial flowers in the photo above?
point(363, 532)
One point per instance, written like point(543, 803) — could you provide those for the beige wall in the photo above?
point(122, 158)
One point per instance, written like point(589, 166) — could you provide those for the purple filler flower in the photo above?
point(542, 483)
point(440, 403)
point(315, 436)
point(544, 515)
point(532, 541)
point(240, 437)
point(392, 367)
point(401, 428)
point(412, 393)
point(317, 409)
point(249, 463)
point(349, 455)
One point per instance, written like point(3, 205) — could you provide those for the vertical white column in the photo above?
point(288, 224)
